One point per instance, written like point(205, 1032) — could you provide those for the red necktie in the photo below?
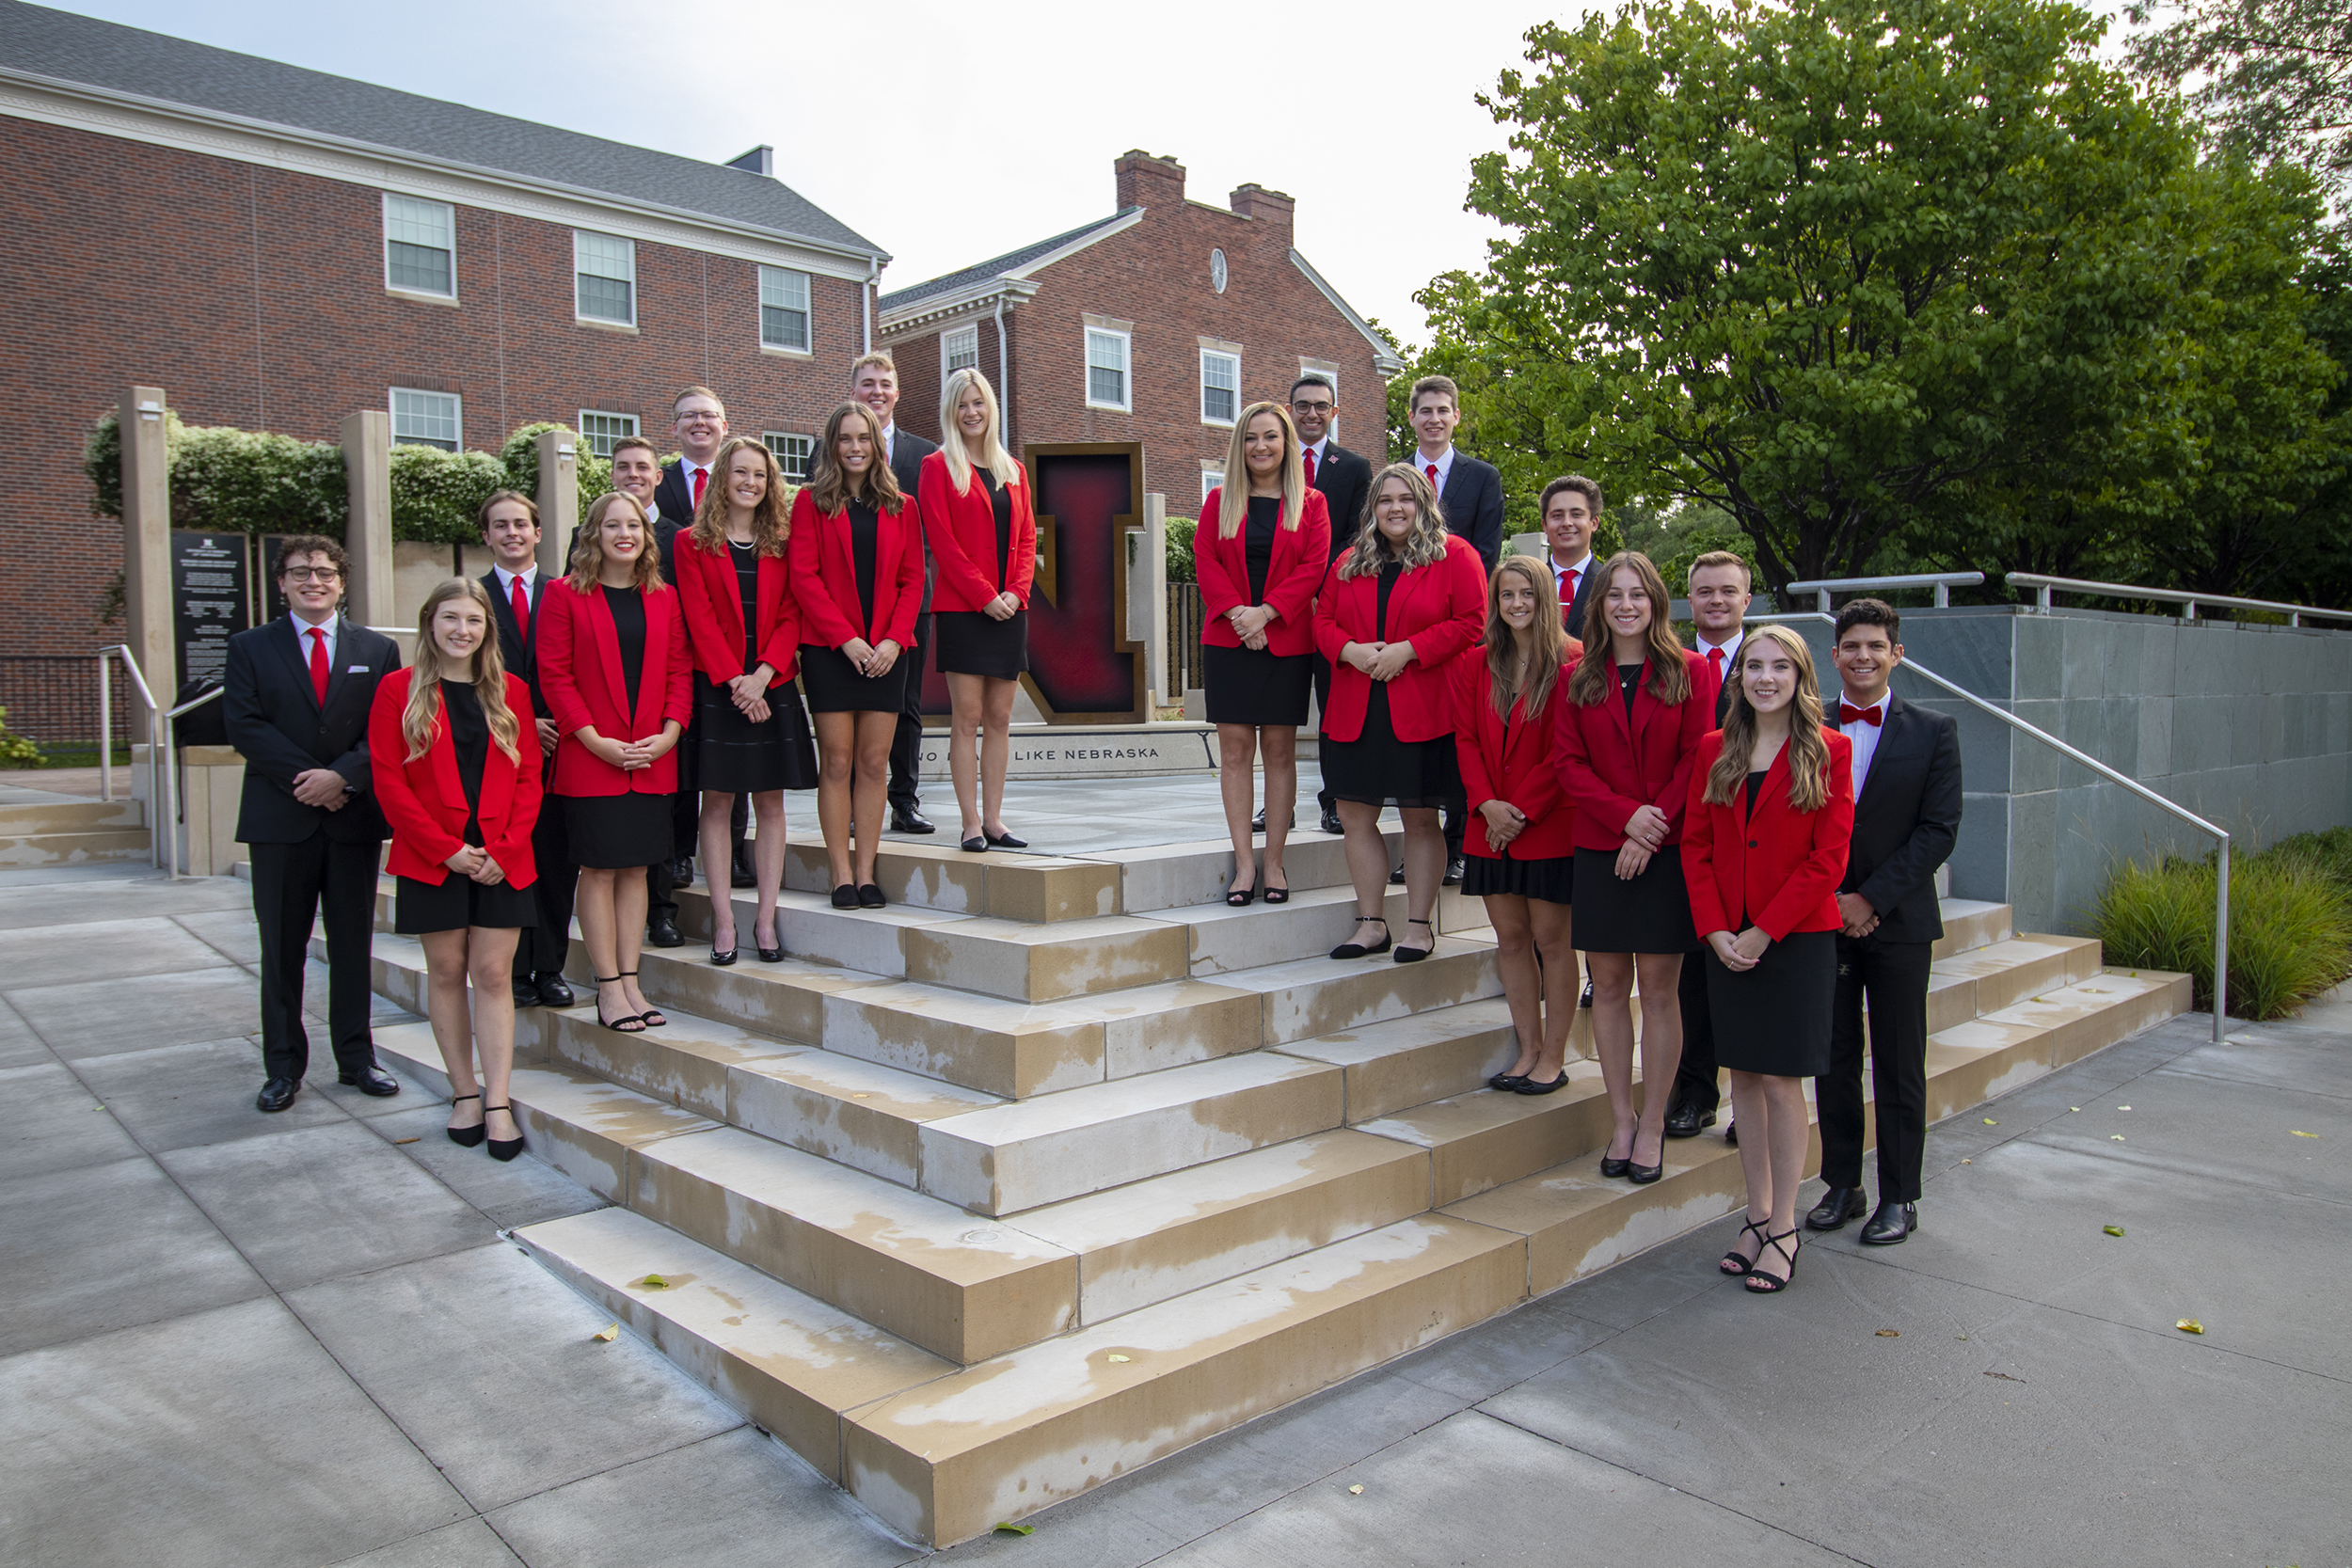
point(700, 475)
point(1849, 714)
point(1715, 662)
point(522, 612)
point(1432, 472)
point(318, 663)
point(1310, 465)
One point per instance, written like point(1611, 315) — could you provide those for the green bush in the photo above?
point(2289, 923)
point(15, 750)
point(437, 495)
point(520, 457)
point(1180, 531)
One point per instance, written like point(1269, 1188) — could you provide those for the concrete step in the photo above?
point(61, 815)
point(1487, 1138)
point(72, 847)
point(1311, 998)
point(946, 1460)
point(1411, 1061)
point(1007, 884)
point(1183, 876)
point(2001, 973)
point(1971, 923)
point(872, 941)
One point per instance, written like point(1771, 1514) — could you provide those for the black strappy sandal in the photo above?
point(467, 1137)
point(618, 1025)
point(1771, 1285)
point(1414, 955)
point(1357, 949)
point(1733, 1263)
point(651, 1018)
point(503, 1150)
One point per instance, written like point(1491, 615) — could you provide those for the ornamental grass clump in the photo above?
point(2289, 923)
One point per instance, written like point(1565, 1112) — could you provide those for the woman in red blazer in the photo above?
point(980, 523)
point(613, 669)
point(1521, 841)
point(1771, 809)
point(1261, 546)
point(1392, 614)
point(1623, 743)
point(457, 774)
point(857, 571)
point(743, 622)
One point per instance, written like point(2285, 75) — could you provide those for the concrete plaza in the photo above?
point(301, 1340)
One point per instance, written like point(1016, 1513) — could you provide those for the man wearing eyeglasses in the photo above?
point(295, 696)
point(1344, 480)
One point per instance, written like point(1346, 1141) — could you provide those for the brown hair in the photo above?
point(627, 441)
point(489, 674)
point(481, 517)
point(587, 562)
point(698, 391)
point(1719, 558)
point(1436, 383)
point(830, 484)
point(1807, 750)
point(1424, 547)
point(1868, 612)
point(1596, 674)
point(1548, 637)
point(874, 357)
point(1589, 489)
point(771, 520)
point(295, 547)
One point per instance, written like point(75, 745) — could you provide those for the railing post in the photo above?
point(170, 827)
point(2221, 941)
point(2188, 609)
point(106, 731)
point(2043, 596)
point(1943, 596)
point(1821, 600)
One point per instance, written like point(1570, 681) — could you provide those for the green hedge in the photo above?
point(1180, 567)
point(2290, 921)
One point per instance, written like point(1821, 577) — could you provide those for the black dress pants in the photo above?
point(1696, 1083)
point(544, 948)
point(1890, 979)
point(1323, 798)
point(906, 746)
point(293, 886)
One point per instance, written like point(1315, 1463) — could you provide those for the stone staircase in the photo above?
point(38, 828)
point(1057, 1166)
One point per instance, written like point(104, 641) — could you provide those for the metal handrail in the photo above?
point(1943, 583)
point(106, 734)
point(171, 774)
point(2045, 586)
point(2222, 882)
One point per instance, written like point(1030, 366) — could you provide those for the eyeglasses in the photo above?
point(698, 419)
point(1306, 408)
point(311, 574)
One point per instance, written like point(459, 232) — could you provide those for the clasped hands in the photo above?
point(749, 693)
point(632, 755)
point(1249, 621)
point(1004, 606)
point(1859, 917)
point(1645, 833)
point(872, 659)
point(1504, 822)
point(1382, 661)
point(322, 788)
point(1743, 952)
point(474, 862)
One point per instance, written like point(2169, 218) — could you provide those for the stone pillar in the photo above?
point(558, 499)
point(147, 549)
point(1148, 601)
point(367, 438)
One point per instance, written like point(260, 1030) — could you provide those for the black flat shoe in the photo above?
point(1357, 949)
point(1507, 1082)
point(370, 1080)
point(467, 1137)
point(1414, 955)
point(1892, 1225)
point(1767, 1284)
point(502, 1150)
point(1005, 840)
point(1731, 1134)
point(1537, 1085)
point(869, 897)
point(1733, 1263)
point(628, 1023)
point(1586, 1001)
point(276, 1094)
point(1838, 1206)
point(1453, 872)
point(554, 991)
point(845, 896)
point(651, 1018)
point(974, 845)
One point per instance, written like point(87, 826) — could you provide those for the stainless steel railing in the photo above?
point(1943, 583)
point(163, 762)
point(2045, 588)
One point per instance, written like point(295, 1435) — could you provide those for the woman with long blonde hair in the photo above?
point(980, 521)
point(456, 771)
point(1770, 813)
point(1262, 547)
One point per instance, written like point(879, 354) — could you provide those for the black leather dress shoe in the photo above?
point(276, 1094)
point(1686, 1120)
point(744, 876)
point(1838, 1206)
point(911, 821)
point(1586, 1001)
point(661, 932)
point(1891, 1224)
point(1396, 878)
point(1331, 823)
point(370, 1080)
point(554, 991)
point(682, 870)
point(526, 991)
point(1453, 872)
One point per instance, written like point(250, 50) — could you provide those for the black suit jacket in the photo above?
point(1345, 481)
point(907, 452)
point(1906, 820)
point(672, 499)
point(275, 722)
point(1473, 505)
point(520, 653)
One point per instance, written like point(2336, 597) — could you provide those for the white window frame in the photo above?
point(1212, 478)
point(578, 272)
point(1232, 358)
point(590, 439)
point(1125, 339)
point(949, 340)
point(1316, 367)
point(774, 440)
point(456, 417)
point(449, 215)
point(781, 277)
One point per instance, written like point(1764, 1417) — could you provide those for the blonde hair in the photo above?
point(1548, 637)
point(1292, 472)
point(878, 360)
point(772, 520)
point(1596, 672)
point(1808, 747)
point(587, 562)
point(488, 672)
point(999, 461)
point(830, 485)
point(1425, 546)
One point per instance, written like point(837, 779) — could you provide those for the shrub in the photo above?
point(2290, 925)
point(15, 750)
point(520, 457)
point(1180, 531)
point(438, 495)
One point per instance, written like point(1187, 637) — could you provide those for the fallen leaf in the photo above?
point(2005, 1377)
point(1004, 1529)
point(1356, 1491)
point(2115, 1137)
point(2305, 1135)
point(2190, 1325)
point(404, 1140)
point(1961, 1338)
point(609, 1333)
point(2123, 1107)
point(655, 1282)
point(2074, 1107)
point(1116, 1356)
point(2115, 1231)
point(1890, 1333)
point(1990, 1122)
point(1967, 1162)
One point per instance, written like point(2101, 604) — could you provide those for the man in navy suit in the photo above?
point(1907, 801)
point(1571, 509)
point(510, 526)
point(295, 698)
point(1470, 495)
point(874, 382)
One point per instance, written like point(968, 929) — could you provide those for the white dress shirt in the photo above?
point(1316, 451)
point(1865, 737)
point(1560, 578)
point(1730, 650)
point(686, 469)
point(303, 637)
point(890, 442)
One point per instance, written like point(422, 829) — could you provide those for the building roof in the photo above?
point(1010, 264)
point(61, 47)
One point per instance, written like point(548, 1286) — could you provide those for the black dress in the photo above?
point(832, 682)
point(734, 755)
point(1550, 877)
point(1649, 914)
point(614, 832)
point(1775, 1018)
point(458, 902)
point(1257, 686)
point(1376, 768)
point(974, 644)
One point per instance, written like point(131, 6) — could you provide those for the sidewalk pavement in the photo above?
point(299, 1340)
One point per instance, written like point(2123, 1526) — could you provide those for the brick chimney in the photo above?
point(1147, 181)
point(1261, 205)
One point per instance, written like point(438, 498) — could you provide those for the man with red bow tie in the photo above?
point(1906, 779)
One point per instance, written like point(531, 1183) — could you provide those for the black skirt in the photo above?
point(971, 644)
point(1376, 768)
point(834, 685)
point(1552, 879)
point(1649, 914)
point(1775, 1018)
point(1256, 685)
point(735, 756)
point(613, 832)
point(458, 902)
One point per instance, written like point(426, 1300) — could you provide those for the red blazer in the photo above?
point(1516, 769)
point(1300, 556)
point(963, 534)
point(824, 574)
point(1440, 609)
point(1777, 869)
point(713, 601)
point(424, 799)
point(580, 674)
point(1610, 771)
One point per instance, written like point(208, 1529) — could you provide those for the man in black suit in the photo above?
point(297, 696)
point(1571, 509)
point(1907, 801)
point(510, 526)
point(1470, 494)
point(1345, 481)
point(1718, 586)
point(874, 382)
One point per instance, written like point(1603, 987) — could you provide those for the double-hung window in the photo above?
point(794, 454)
point(1220, 387)
point(1106, 369)
point(784, 309)
point(958, 350)
point(427, 419)
point(600, 430)
point(605, 271)
point(420, 245)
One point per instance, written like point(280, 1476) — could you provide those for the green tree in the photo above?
point(2272, 77)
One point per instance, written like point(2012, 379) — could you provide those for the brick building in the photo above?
point(278, 247)
point(1157, 324)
